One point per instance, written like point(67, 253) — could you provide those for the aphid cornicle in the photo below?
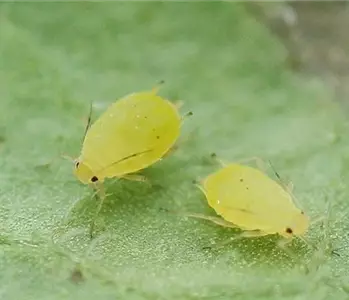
point(133, 133)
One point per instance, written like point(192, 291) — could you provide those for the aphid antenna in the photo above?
point(88, 124)
point(285, 187)
point(67, 157)
point(307, 242)
point(275, 172)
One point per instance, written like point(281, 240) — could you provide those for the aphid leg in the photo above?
point(222, 163)
point(317, 220)
point(252, 234)
point(326, 240)
point(307, 242)
point(76, 203)
point(178, 104)
point(100, 190)
point(325, 230)
point(283, 244)
point(260, 163)
point(93, 222)
point(245, 234)
point(198, 184)
point(135, 177)
point(216, 220)
point(101, 193)
point(221, 244)
point(7, 240)
point(50, 162)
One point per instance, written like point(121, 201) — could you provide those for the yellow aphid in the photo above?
point(247, 198)
point(133, 133)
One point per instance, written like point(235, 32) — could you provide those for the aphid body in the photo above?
point(249, 199)
point(133, 133)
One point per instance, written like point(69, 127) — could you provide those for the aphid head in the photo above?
point(84, 173)
point(299, 225)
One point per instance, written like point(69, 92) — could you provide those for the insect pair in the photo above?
point(139, 129)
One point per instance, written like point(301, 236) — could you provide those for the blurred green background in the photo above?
point(236, 77)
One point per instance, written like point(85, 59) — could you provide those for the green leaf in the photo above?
point(58, 57)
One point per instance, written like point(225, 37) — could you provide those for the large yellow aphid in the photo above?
point(132, 134)
point(248, 199)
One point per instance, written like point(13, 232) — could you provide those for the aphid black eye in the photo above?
point(77, 164)
point(94, 179)
point(289, 230)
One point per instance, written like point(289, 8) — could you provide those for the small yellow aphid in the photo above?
point(134, 132)
point(248, 199)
